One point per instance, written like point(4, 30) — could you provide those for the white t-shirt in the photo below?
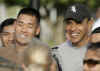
point(70, 58)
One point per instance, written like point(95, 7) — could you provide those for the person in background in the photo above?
point(95, 35)
point(37, 57)
point(91, 61)
point(7, 31)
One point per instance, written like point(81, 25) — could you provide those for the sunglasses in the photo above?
point(91, 62)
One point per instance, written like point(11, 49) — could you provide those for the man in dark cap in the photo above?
point(78, 23)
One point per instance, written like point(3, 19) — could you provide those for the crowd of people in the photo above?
point(21, 50)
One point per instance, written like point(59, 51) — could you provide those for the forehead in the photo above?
point(9, 28)
point(91, 54)
point(76, 21)
point(96, 34)
point(26, 17)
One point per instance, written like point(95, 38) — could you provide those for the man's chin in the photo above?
point(24, 42)
point(74, 41)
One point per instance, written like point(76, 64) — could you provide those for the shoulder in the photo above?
point(66, 43)
point(55, 48)
point(60, 47)
point(6, 65)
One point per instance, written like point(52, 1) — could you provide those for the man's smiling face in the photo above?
point(76, 31)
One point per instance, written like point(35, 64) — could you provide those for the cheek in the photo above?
point(96, 68)
point(5, 39)
point(83, 29)
point(11, 37)
point(30, 30)
point(67, 28)
point(18, 29)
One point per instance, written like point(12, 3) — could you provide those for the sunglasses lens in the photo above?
point(90, 62)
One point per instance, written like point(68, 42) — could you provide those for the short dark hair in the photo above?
point(7, 22)
point(30, 11)
point(94, 46)
point(97, 30)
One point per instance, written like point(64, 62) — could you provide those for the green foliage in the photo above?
point(63, 1)
point(1, 1)
point(46, 2)
point(93, 4)
point(22, 2)
point(17, 2)
point(97, 3)
point(79, 0)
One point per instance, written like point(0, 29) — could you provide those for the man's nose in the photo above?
point(73, 26)
point(24, 28)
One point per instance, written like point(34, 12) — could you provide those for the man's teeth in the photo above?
point(75, 34)
point(22, 36)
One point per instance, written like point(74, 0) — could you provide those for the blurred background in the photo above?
point(52, 12)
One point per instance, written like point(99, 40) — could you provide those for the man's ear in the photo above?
point(38, 30)
point(90, 24)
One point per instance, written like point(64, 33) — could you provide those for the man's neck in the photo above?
point(20, 48)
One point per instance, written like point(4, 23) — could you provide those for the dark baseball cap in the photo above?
point(77, 12)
